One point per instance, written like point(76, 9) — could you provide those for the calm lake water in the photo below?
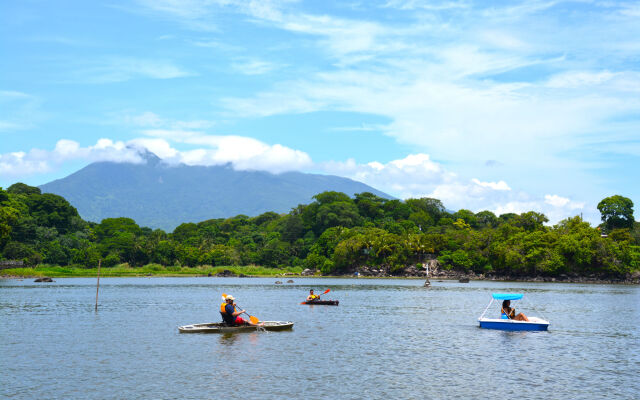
point(387, 339)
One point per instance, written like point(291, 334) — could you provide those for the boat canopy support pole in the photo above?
point(529, 305)
point(485, 310)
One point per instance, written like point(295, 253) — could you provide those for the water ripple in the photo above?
point(387, 339)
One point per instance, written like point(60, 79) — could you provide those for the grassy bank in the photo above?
point(149, 269)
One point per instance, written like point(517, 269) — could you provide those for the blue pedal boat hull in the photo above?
point(511, 325)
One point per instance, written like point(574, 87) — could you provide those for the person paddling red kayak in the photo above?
point(315, 299)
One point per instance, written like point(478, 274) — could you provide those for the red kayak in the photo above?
point(322, 302)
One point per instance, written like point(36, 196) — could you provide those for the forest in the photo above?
point(334, 235)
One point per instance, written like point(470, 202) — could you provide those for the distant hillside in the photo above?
point(161, 196)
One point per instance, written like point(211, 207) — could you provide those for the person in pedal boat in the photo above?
point(312, 297)
point(510, 313)
point(230, 314)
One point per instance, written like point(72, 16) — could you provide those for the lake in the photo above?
point(388, 338)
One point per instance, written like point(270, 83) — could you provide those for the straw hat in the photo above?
point(229, 297)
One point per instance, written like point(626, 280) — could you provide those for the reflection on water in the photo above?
point(388, 338)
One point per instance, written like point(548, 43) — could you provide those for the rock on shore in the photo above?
point(226, 273)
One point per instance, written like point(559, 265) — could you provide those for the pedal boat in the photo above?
point(505, 323)
point(221, 327)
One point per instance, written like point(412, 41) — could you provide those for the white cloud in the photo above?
point(501, 185)
point(482, 119)
point(434, 79)
point(505, 82)
point(181, 8)
point(167, 139)
point(66, 149)
point(556, 200)
point(243, 153)
point(564, 202)
point(516, 207)
point(413, 176)
point(439, 79)
point(418, 176)
point(103, 150)
point(461, 194)
point(18, 164)
point(254, 67)
point(159, 147)
point(555, 207)
point(574, 79)
point(122, 69)
point(620, 83)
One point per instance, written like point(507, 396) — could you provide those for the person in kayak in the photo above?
point(230, 314)
point(312, 297)
point(510, 313)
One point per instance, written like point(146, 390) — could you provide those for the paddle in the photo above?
point(254, 320)
point(325, 292)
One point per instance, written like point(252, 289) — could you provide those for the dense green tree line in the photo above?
point(334, 234)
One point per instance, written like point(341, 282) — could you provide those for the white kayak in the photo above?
point(220, 327)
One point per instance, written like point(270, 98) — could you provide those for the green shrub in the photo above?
point(327, 267)
point(111, 260)
point(153, 267)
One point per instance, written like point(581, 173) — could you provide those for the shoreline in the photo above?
point(448, 277)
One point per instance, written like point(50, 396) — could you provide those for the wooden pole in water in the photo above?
point(426, 265)
point(98, 285)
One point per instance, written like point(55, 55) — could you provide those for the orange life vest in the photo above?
point(223, 308)
point(511, 314)
point(226, 318)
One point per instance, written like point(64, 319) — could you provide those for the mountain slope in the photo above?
point(161, 196)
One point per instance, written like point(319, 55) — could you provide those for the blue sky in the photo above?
point(508, 106)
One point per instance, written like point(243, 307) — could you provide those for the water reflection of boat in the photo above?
point(507, 324)
point(220, 327)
